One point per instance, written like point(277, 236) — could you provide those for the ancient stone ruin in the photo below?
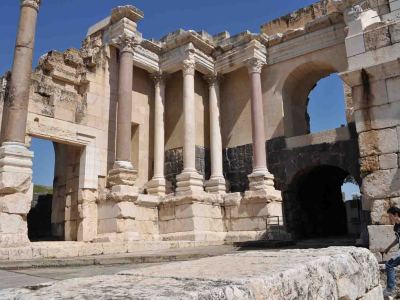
point(199, 138)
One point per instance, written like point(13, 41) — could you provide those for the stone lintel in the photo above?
point(128, 11)
point(237, 58)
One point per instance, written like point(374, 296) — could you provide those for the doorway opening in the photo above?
point(320, 209)
point(54, 210)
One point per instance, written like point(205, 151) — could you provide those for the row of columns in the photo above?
point(16, 111)
point(189, 180)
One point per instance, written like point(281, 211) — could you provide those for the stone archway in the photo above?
point(314, 203)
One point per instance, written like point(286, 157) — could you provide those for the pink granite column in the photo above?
point(217, 183)
point(123, 172)
point(157, 185)
point(260, 175)
point(16, 106)
point(16, 188)
point(189, 180)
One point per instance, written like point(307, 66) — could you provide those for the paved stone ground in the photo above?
point(333, 273)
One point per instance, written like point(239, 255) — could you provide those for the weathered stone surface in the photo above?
point(381, 184)
point(333, 273)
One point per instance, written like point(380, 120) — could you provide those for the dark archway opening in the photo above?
point(322, 211)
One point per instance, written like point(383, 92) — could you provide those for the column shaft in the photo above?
point(215, 132)
point(189, 145)
point(257, 122)
point(159, 128)
point(16, 106)
point(124, 116)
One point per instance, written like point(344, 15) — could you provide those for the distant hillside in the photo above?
point(41, 189)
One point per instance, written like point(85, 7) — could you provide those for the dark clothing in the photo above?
point(396, 229)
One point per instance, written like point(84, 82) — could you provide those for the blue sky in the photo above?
point(63, 24)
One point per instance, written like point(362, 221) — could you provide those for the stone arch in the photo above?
point(296, 90)
point(313, 202)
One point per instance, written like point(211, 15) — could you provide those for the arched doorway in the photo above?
point(320, 203)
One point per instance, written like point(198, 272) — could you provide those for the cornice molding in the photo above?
point(31, 3)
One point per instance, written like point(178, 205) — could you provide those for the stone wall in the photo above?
point(174, 164)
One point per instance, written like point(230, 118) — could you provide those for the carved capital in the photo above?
point(159, 77)
point(189, 66)
point(126, 43)
point(255, 65)
point(213, 79)
point(31, 3)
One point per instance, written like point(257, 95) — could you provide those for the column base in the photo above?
point(156, 186)
point(260, 180)
point(122, 173)
point(16, 192)
point(216, 185)
point(189, 182)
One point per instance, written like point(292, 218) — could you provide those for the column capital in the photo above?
point(31, 3)
point(126, 43)
point(189, 66)
point(159, 77)
point(254, 65)
point(213, 78)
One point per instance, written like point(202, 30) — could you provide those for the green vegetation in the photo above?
point(41, 189)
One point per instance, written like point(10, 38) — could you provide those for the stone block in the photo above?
point(147, 227)
point(120, 193)
point(375, 142)
point(232, 199)
point(115, 248)
point(378, 212)
point(376, 95)
point(22, 253)
point(380, 237)
point(388, 161)
point(124, 210)
point(89, 249)
point(87, 229)
point(393, 89)
point(248, 224)
point(148, 200)
point(394, 30)
point(16, 203)
point(385, 116)
point(70, 230)
point(355, 45)
point(12, 224)
point(382, 184)
point(166, 211)
point(377, 38)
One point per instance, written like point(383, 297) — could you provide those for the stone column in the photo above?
point(157, 185)
point(16, 188)
point(217, 183)
point(123, 172)
point(260, 178)
point(189, 180)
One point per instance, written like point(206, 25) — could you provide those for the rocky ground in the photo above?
point(332, 273)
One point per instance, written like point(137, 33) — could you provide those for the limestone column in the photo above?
point(217, 183)
point(260, 178)
point(189, 180)
point(15, 159)
point(123, 172)
point(157, 185)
